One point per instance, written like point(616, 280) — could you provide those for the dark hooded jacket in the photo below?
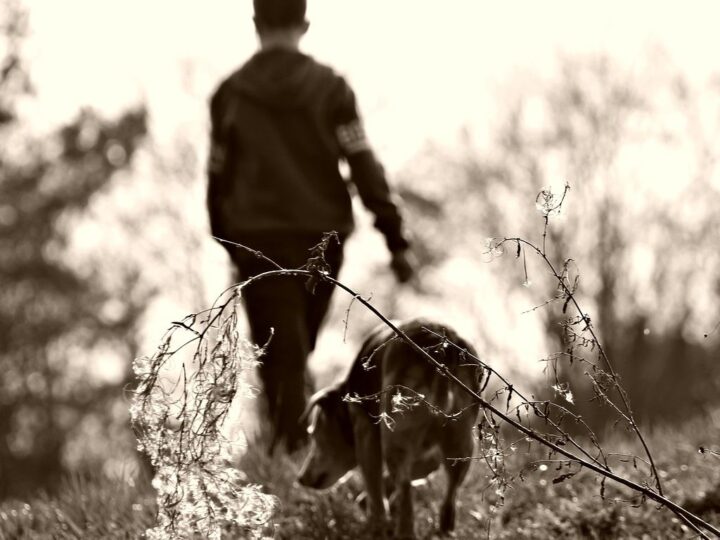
point(280, 125)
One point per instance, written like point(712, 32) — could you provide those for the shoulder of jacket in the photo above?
point(230, 83)
point(220, 94)
point(330, 75)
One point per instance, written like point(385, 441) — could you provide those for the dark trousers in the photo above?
point(284, 308)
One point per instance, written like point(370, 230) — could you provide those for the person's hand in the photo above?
point(403, 265)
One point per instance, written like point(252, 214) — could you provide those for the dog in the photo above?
point(395, 410)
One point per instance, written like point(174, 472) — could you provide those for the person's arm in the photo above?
point(369, 178)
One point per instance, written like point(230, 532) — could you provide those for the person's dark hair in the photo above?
point(279, 13)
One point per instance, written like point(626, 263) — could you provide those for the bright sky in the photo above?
point(421, 68)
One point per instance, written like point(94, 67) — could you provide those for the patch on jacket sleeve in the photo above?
point(216, 158)
point(352, 137)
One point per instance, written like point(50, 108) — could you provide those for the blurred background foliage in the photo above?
point(82, 253)
point(104, 241)
point(56, 315)
point(639, 150)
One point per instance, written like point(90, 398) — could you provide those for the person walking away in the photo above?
point(280, 126)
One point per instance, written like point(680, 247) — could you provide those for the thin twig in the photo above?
point(627, 414)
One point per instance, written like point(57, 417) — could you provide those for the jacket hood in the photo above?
point(283, 79)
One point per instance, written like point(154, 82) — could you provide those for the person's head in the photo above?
point(280, 22)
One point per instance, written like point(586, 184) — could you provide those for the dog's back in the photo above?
point(388, 365)
point(404, 366)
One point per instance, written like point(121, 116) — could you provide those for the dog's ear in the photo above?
point(317, 396)
point(316, 399)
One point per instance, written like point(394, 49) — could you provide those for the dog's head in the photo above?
point(332, 447)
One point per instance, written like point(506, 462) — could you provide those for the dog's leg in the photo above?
point(369, 457)
point(404, 519)
point(457, 446)
point(398, 455)
point(456, 473)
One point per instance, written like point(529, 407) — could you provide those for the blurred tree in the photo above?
point(14, 81)
point(51, 316)
point(639, 151)
point(54, 317)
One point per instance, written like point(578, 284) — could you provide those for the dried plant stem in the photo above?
point(534, 405)
point(693, 521)
point(627, 414)
point(588, 462)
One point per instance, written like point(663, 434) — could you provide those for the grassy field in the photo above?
point(534, 508)
point(83, 508)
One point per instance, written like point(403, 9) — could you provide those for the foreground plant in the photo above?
point(199, 492)
point(178, 413)
point(582, 346)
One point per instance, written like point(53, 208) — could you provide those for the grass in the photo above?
point(83, 507)
point(534, 508)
